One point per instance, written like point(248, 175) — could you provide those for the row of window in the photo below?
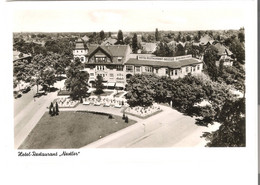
point(100, 59)
point(111, 76)
point(104, 59)
point(77, 51)
point(148, 69)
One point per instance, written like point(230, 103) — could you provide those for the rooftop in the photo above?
point(222, 49)
point(160, 63)
point(114, 50)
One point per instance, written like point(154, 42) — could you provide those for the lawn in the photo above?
point(71, 130)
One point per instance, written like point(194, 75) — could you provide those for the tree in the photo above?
point(241, 36)
point(77, 80)
point(102, 35)
point(120, 38)
point(178, 39)
point(134, 44)
point(180, 51)
point(163, 50)
point(50, 108)
point(48, 77)
point(234, 76)
point(237, 48)
point(99, 85)
point(193, 50)
point(57, 108)
point(210, 58)
point(140, 90)
point(199, 35)
point(126, 119)
point(157, 36)
point(150, 38)
point(128, 40)
point(231, 132)
point(188, 38)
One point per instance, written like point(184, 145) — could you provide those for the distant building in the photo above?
point(109, 41)
point(224, 54)
point(80, 50)
point(21, 56)
point(174, 67)
point(206, 40)
point(148, 47)
point(85, 38)
point(117, 65)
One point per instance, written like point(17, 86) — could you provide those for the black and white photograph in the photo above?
point(120, 81)
point(150, 81)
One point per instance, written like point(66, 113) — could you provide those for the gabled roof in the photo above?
point(109, 41)
point(103, 50)
point(222, 49)
point(85, 38)
point(149, 46)
point(205, 39)
point(80, 44)
point(181, 43)
point(115, 50)
point(16, 55)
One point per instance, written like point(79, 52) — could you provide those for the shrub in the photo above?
point(50, 109)
point(126, 119)
point(57, 108)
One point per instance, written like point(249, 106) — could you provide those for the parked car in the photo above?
point(17, 94)
point(26, 89)
point(118, 106)
point(88, 94)
point(97, 103)
point(40, 93)
point(86, 103)
point(107, 104)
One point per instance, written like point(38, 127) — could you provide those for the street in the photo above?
point(168, 128)
point(27, 112)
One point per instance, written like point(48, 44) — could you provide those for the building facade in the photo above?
point(117, 65)
point(80, 50)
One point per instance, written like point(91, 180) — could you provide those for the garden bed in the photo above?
point(66, 102)
point(142, 112)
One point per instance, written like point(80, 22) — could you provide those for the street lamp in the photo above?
point(144, 127)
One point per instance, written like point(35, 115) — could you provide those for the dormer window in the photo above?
point(100, 59)
point(119, 59)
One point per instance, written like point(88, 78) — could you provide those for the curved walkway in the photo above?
point(168, 128)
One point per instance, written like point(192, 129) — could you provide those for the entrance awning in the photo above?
point(120, 85)
point(111, 84)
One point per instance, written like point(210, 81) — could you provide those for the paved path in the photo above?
point(169, 128)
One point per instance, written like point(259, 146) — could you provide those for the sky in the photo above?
point(112, 16)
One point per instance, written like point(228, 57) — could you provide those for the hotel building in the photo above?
point(116, 64)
